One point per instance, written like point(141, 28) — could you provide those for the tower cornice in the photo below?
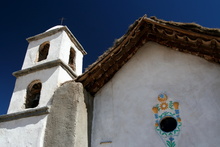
point(46, 65)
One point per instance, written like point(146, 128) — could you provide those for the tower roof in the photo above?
point(55, 27)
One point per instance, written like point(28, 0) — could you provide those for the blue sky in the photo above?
point(95, 23)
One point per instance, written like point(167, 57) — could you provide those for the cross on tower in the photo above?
point(61, 20)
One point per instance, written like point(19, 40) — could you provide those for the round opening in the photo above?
point(168, 124)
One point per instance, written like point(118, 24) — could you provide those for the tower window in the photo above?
point(43, 51)
point(72, 59)
point(33, 94)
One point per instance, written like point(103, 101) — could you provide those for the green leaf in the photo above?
point(168, 143)
point(171, 144)
point(158, 107)
point(171, 105)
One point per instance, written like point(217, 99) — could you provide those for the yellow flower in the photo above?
point(155, 109)
point(176, 105)
point(163, 106)
point(179, 119)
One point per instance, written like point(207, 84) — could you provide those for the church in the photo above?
point(157, 86)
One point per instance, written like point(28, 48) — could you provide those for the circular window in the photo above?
point(168, 124)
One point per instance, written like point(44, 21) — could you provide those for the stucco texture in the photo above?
point(67, 121)
point(60, 45)
point(50, 78)
point(25, 132)
point(123, 114)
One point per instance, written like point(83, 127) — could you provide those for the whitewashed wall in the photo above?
point(31, 56)
point(122, 108)
point(65, 51)
point(26, 132)
point(51, 80)
point(60, 45)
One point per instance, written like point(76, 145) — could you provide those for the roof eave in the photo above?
point(144, 30)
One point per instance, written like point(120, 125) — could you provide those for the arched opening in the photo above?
point(33, 94)
point(72, 57)
point(43, 51)
point(168, 124)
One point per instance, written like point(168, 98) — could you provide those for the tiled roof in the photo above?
point(184, 37)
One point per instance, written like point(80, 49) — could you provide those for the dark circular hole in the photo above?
point(168, 124)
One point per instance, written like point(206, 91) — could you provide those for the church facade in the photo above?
point(157, 86)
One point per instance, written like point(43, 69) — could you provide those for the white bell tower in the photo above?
point(52, 58)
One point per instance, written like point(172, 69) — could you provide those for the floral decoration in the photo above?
point(170, 142)
point(167, 109)
point(163, 106)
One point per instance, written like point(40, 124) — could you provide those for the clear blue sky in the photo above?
point(95, 23)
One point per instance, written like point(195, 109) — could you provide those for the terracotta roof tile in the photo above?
point(185, 37)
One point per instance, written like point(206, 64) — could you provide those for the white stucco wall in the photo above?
point(60, 45)
point(123, 107)
point(65, 51)
point(50, 79)
point(26, 132)
point(33, 49)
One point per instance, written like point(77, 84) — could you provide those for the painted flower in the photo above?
point(162, 97)
point(163, 106)
point(171, 139)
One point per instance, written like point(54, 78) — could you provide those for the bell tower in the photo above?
point(52, 58)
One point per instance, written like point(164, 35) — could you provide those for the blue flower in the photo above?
point(162, 95)
point(171, 139)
